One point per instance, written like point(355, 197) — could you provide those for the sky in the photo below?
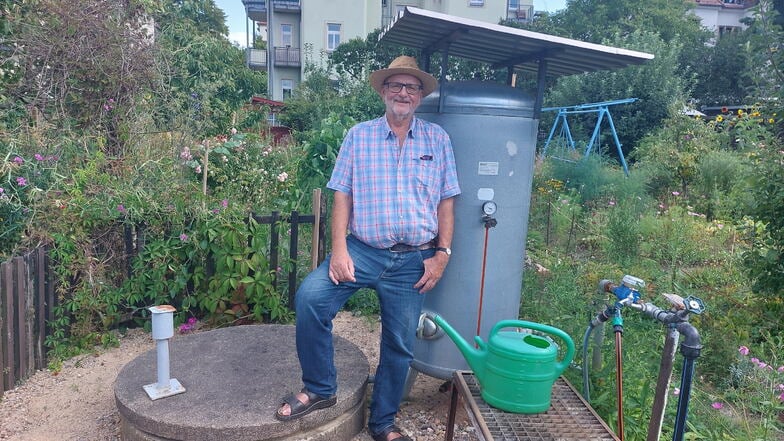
point(235, 15)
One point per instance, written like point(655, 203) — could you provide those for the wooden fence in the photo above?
point(26, 306)
point(27, 294)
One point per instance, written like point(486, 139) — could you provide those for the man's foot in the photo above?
point(389, 434)
point(297, 406)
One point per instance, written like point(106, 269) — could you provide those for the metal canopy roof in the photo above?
point(503, 46)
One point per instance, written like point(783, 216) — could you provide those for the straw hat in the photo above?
point(403, 65)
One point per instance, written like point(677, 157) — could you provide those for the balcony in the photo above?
point(287, 57)
point(256, 10)
point(256, 59)
point(287, 5)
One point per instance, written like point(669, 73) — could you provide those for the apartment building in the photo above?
point(723, 16)
point(297, 29)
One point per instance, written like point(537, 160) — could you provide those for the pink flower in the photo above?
point(781, 397)
point(755, 360)
point(676, 391)
point(183, 237)
point(121, 209)
point(780, 369)
point(20, 181)
point(198, 169)
point(192, 321)
point(780, 387)
point(717, 405)
point(676, 193)
point(283, 176)
point(38, 157)
point(225, 203)
point(743, 350)
point(611, 203)
point(18, 160)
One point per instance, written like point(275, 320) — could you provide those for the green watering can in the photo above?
point(516, 370)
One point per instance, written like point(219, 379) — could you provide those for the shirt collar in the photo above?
point(413, 129)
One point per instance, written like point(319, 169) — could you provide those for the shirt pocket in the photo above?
point(425, 172)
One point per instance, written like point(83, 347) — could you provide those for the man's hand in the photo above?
point(434, 269)
point(341, 267)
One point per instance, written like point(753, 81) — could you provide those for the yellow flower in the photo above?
point(771, 121)
point(719, 118)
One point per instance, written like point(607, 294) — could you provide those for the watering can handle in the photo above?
point(560, 367)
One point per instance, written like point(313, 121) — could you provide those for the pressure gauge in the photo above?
point(489, 208)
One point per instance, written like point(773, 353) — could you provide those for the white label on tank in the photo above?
point(511, 148)
point(485, 194)
point(488, 168)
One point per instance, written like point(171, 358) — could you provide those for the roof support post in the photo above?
point(442, 76)
point(541, 79)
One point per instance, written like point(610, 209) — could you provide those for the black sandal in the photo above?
point(382, 436)
point(300, 409)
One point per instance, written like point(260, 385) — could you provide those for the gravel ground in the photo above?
point(77, 403)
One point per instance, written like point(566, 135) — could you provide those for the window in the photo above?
point(333, 36)
point(476, 2)
point(287, 86)
point(285, 35)
point(726, 30)
point(514, 5)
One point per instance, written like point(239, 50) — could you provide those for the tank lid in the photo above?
point(478, 98)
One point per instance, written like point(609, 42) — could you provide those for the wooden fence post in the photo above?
point(9, 311)
point(293, 244)
point(316, 239)
point(21, 316)
point(274, 244)
point(7, 326)
point(39, 283)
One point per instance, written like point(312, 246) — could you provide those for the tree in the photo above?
point(721, 71)
point(600, 20)
point(357, 57)
point(206, 75)
point(766, 261)
point(203, 15)
point(82, 63)
point(766, 53)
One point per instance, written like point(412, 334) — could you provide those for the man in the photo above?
point(395, 180)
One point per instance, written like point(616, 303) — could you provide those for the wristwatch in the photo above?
point(447, 250)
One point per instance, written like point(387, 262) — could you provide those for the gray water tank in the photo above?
point(493, 131)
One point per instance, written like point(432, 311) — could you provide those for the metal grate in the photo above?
point(569, 418)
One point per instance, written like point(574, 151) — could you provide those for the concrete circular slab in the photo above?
point(234, 379)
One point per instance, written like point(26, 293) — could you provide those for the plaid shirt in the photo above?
point(395, 191)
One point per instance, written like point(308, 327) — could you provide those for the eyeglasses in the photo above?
point(410, 88)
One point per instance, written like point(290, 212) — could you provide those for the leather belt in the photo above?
point(404, 247)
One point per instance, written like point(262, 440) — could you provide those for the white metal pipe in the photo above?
point(162, 362)
point(162, 331)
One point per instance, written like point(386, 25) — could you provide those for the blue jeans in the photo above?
point(318, 300)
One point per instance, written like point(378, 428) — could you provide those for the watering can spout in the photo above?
point(475, 357)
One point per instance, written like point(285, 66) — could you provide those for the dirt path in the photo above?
point(78, 402)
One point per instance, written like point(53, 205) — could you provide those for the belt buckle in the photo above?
point(401, 248)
